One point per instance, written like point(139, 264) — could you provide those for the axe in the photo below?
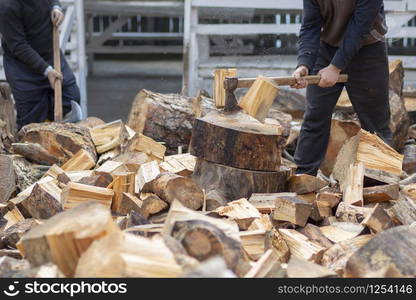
point(233, 83)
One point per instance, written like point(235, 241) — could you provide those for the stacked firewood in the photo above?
point(99, 199)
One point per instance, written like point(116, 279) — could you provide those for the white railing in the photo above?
point(199, 64)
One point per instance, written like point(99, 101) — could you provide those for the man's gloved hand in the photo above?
point(57, 16)
point(53, 75)
point(329, 76)
point(301, 82)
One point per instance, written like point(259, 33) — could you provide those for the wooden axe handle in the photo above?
point(282, 81)
point(58, 114)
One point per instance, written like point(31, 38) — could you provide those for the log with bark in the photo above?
point(62, 141)
point(8, 126)
point(8, 178)
point(234, 183)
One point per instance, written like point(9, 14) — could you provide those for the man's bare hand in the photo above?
point(57, 17)
point(54, 75)
point(329, 76)
point(301, 82)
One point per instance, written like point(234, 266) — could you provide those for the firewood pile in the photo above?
point(186, 190)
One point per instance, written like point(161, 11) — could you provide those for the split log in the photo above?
point(309, 197)
point(236, 183)
point(316, 236)
point(410, 191)
point(152, 205)
point(259, 98)
point(55, 171)
point(91, 122)
point(353, 189)
point(75, 194)
point(409, 161)
point(342, 231)
point(275, 241)
point(103, 180)
point(181, 164)
point(263, 223)
point(12, 235)
point(292, 209)
point(62, 241)
point(381, 193)
point(341, 131)
point(253, 243)
point(301, 246)
point(336, 257)
point(266, 203)
point(8, 178)
point(382, 251)
point(145, 176)
point(128, 203)
point(82, 160)
point(266, 267)
point(8, 126)
point(110, 167)
point(142, 143)
point(237, 140)
point(378, 220)
point(13, 217)
point(26, 173)
point(178, 212)
point(35, 153)
point(202, 240)
point(241, 211)
point(403, 212)
point(44, 201)
point(170, 187)
point(410, 104)
point(62, 140)
point(132, 160)
point(302, 268)
point(219, 89)
point(128, 256)
point(329, 199)
point(381, 162)
point(108, 136)
point(123, 183)
point(351, 213)
point(214, 199)
point(303, 184)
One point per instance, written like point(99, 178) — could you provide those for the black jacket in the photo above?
point(358, 28)
point(26, 30)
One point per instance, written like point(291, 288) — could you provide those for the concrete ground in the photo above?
point(113, 85)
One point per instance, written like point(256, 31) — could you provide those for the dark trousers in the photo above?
point(33, 94)
point(368, 90)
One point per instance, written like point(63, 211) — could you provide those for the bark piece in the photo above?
point(301, 246)
point(381, 193)
point(62, 241)
point(259, 98)
point(304, 184)
point(236, 183)
point(170, 187)
point(60, 140)
point(241, 211)
point(7, 178)
point(75, 194)
point(292, 209)
point(108, 136)
point(382, 251)
point(237, 140)
point(219, 90)
point(82, 160)
point(35, 153)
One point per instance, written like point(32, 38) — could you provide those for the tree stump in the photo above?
point(236, 183)
point(238, 140)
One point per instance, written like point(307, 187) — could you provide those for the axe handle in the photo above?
point(58, 114)
point(282, 81)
